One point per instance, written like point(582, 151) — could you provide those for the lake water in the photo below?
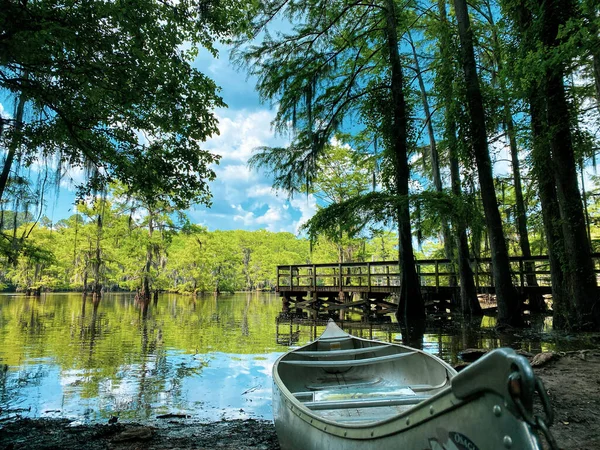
point(209, 358)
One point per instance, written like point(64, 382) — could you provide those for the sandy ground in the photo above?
point(572, 381)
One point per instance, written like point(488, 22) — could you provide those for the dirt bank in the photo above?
point(176, 434)
point(571, 379)
point(573, 385)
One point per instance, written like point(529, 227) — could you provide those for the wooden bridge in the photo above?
point(320, 289)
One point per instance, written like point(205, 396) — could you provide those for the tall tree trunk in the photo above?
point(580, 268)
point(536, 301)
point(145, 294)
point(509, 310)
point(85, 282)
point(543, 172)
point(434, 155)
point(468, 292)
point(411, 302)
point(97, 287)
point(12, 146)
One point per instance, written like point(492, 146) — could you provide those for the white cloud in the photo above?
point(261, 190)
point(307, 207)
point(271, 217)
point(240, 133)
point(242, 197)
point(235, 173)
point(3, 113)
point(276, 218)
point(247, 218)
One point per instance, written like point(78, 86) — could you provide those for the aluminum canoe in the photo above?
point(342, 392)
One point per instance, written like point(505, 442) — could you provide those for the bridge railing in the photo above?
point(374, 275)
point(340, 276)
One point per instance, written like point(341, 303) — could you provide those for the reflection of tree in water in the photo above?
point(29, 320)
point(159, 380)
point(215, 317)
point(413, 333)
point(245, 328)
point(93, 323)
point(89, 332)
point(285, 336)
point(104, 350)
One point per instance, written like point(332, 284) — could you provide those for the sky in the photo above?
point(242, 198)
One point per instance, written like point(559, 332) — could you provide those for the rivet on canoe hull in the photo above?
point(372, 433)
point(345, 433)
point(507, 442)
point(431, 410)
point(497, 410)
point(408, 421)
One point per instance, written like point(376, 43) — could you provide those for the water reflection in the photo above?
point(76, 357)
point(445, 337)
point(210, 357)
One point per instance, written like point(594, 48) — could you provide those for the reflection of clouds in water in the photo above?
point(233, 386)
point(228, 386)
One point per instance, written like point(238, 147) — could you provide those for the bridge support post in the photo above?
point(342, 298)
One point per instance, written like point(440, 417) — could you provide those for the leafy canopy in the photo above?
point(110, 87)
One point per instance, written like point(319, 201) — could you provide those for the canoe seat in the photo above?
point(347, 363)
point(350, 352)
point(335, 343)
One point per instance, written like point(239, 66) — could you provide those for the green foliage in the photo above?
point(109, 87)
point(122, 253)
point(354, 213)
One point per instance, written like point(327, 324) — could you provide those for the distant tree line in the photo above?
point(114, 245)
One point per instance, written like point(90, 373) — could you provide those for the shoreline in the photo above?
point(572, 381)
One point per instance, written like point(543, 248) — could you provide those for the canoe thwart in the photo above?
point(350, 352)
point(367, 403)
point(348, 363)
point(335, 384)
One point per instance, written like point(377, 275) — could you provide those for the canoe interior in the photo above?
point(355, 381)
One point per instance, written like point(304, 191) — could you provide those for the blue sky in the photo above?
point(242, 199)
